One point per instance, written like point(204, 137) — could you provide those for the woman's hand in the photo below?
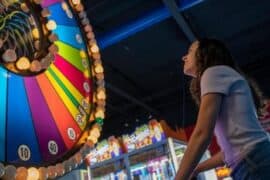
point(195, 172)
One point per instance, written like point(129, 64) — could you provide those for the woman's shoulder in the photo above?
point(221, 71)
point(219, 79)
point(221, 68)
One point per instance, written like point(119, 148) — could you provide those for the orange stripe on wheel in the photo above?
point(61, 115)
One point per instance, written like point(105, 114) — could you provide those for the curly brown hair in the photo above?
point(212, 52)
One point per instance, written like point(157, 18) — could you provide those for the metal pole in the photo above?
point(173, 8)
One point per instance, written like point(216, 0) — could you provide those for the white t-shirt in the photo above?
point(237, 127)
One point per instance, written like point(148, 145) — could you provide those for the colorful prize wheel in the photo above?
point(52, 94)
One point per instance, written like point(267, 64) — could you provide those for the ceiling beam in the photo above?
point(173, 8)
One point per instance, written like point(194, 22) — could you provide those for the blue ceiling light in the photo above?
point(145, 21)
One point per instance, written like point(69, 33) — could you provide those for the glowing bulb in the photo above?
point(35, 33)
point(94, 48)
point(10, 172)
point(90, 35)
point(21, 173)
point(95, 132)
point(92, 42)
point(89, 142)
point(9, 55)
point(45, 12)
point(79, 7)
point(35, 66)
point(51, 25)
point(60, 169)
point(85, 21)
point(33, 174)
point(76, 2)
point(53, 37)
point(97, 62)
point(52, 172)
point(42, 173)
point(96, 56)
point(101, 103)
point(93, 139)
point(23, 63)
point(101, 94)
point(88, 28)
point(24, 7)
point(99, 68)
point(53, 49)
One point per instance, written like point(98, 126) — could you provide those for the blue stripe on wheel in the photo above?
point(20, 130)
point(3, 98)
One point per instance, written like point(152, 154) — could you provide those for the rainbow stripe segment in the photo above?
point(42, 117)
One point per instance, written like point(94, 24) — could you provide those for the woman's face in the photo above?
point(189, 59)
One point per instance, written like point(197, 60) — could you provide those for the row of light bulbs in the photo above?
point(33, 173)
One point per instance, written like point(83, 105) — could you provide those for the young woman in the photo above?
point(226, 108)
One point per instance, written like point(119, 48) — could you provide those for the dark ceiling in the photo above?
point(143, 69)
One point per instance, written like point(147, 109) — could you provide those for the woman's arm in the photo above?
point(215, 161)
point(201, 136)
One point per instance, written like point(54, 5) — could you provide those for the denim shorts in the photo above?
point(255, 165)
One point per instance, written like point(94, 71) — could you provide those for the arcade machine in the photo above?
point(148, 155)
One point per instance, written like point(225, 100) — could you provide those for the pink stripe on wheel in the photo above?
point(46, 3)
point(75, 76)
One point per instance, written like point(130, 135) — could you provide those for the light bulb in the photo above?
point(51, 25)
